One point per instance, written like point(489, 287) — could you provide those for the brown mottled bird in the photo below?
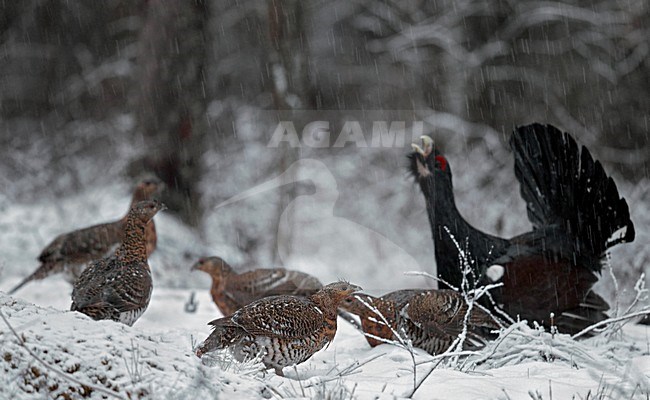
point(119, 286)
point(432, 319)
point(285, 330)
point(231, 291)
point(70, 252)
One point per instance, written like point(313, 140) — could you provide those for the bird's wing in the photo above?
point(303, 284)
point(392, 304)
point(126, 299)
point(87, 289)
point(440, 312)
point(444, 311)
point(280, 316)
point(272, 282)
point(125, 289)
point(89, 243)
point(402, 297)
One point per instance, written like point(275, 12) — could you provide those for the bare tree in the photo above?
point(288, 54)
point(171, 99)
point(57, 69)
point(569, 63)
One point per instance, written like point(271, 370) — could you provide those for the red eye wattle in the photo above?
point(442, 162)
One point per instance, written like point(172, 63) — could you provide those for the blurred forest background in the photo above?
point(96, 92)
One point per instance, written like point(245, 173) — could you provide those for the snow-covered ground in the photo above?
point(154, 359)
point(356, 218)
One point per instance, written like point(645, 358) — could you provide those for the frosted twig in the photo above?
point(617, 294)
point(500, 340)
point(641, 293)
point(347, 317)
point(641, 296)
point(477, 292)
point(401, 341)
point(349, 370)
point(424, 378)
point(498, 309)
point(470, 295)
point(449, 354)
point(435, 278)
point(438, 358)
point(64, 375)
point(520, 343)
point(404, 342)
point(645, 311)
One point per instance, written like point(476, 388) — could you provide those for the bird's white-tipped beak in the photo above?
point(426, 140)
point(417, 149)
point(427, 144)
point(426, 148)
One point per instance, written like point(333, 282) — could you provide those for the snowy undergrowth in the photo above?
point(90, 356)
point(154, 359)
point(601, 356)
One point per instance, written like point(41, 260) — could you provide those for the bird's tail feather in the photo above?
point(41, 272)
point(563, 185)
point(224, 333)
point(591, 311)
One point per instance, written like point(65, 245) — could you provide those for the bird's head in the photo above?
point(147, 189)
point(353, 304)
point(426, 163)
point(144, 211)
point(215, 266)
point(338, 291)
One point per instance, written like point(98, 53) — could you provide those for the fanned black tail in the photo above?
point(564, 186)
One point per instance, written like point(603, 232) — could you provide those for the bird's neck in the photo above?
point(150, 236)
point(442, 210)
point(380, 305)
point(219, 280)
point(133, 245)
point(326, 304)
point(137, 197)
point(447, 222)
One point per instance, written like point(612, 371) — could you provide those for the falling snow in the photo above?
point(93, 96)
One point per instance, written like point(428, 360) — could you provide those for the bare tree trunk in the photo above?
point(288, 66)
point(171, 100)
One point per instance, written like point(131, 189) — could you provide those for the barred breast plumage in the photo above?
point(119, 287)
point(285, 330)
point(431, 319)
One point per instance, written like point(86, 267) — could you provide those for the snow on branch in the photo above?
point(616, 323)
